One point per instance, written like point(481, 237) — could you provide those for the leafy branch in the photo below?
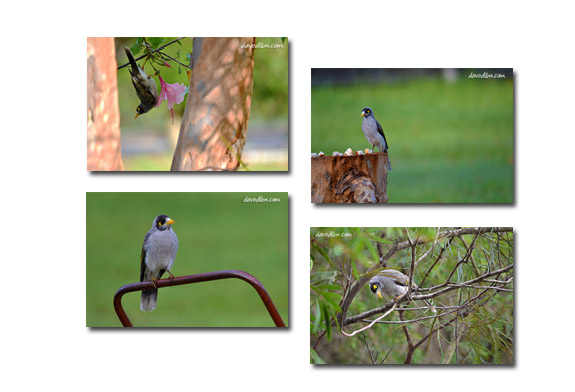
point(473, 287)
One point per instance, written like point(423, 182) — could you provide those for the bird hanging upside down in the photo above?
point(145, 86)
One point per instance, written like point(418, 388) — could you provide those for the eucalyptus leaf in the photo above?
point(326, 321)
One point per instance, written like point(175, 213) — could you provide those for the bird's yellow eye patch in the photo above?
point(160, 223)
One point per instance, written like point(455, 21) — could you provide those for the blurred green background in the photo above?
point(148, 142)
point(450, 137)
point(216, 231)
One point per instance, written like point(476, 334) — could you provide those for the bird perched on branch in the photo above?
point(145, 86)
point(158, 255)
point(374, 132)
point(394, 283)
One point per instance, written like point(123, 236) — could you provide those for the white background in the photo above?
point(45, 343)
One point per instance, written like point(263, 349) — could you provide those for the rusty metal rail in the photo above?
point(205, 277)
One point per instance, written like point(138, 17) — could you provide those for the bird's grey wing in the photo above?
point(398, 277)
point(380, 130)
point(174, 250)
point(400, 283)
point(143, 266)
point(144, 94)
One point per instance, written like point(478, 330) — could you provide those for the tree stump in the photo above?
point(349, 179)
point(104, 147)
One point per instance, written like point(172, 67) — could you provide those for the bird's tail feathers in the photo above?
point(149, 300)
point(132, 60)
point(388, 161)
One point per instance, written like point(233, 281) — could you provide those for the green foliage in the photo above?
point(340, 256)
point(217, 231)
point(156, 41)
point(449, 142)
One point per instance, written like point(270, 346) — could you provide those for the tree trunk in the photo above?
point(349, 179)
point(104, 148)
point(214, 128)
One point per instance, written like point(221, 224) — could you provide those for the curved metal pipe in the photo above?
point(205, 277)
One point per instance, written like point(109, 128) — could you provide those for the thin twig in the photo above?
point(442, 289)
point(370, 325)
point(160, 48)
point(410, 346)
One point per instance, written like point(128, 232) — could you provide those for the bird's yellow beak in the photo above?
point(362, 114)
point(137, 114)
point(379, 294)
point(170, 222)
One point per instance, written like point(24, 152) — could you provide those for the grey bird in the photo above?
point(145, 86)
point(158, 255)
point(374, 132)
point(394, 283)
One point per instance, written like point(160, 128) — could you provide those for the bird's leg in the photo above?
point(154, 282)
point(372, 147)
point(171, 275)
point(398, 298)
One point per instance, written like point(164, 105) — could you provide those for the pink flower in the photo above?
point(174, 93)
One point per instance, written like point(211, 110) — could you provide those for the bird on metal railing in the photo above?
point(374, 132)
point(158, 255)
point(145, 86)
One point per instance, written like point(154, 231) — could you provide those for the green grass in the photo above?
point(449, 142)
point(216, 231)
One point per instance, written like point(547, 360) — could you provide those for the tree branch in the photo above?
point(398, 246)
point(445, 287)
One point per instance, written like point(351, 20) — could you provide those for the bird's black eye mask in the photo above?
point(162, 220)
point(374, 287)
point(367, 112)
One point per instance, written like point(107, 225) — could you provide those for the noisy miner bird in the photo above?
point(374, 132)
point(394, 283)
point(158, 255)
point(145, 86)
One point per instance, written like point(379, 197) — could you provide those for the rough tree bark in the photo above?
point(104, 148)
point(214, 128)
point(349, 179)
